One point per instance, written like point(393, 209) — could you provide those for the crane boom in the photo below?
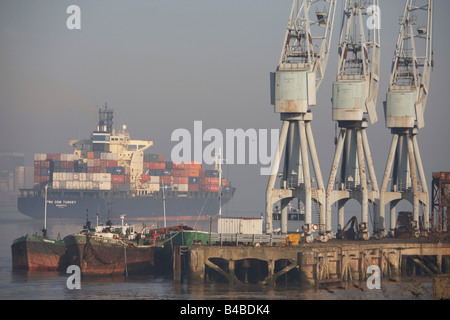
point(359, 57)
point(307, 42)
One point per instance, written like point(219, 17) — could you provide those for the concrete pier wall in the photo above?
point(315, 263)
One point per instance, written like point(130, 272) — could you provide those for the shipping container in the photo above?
point(211, 173)
point(193, 172)
point(122, 187)
point(104, 185)
point(180, 187)
point(180, 180)
point(90, 155)
point(169, 165)
point(154, 165)
point(240, 225)
point(165, 179)
point(40, 157)
point(211, 188)
point(155, 179)
point(112, 163)
point(194, 188)
point(117, 178)
point(44, 172)
point(193, 180)
point(116, 170)
point(153, 158)
point(212, 181)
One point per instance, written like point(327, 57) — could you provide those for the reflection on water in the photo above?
point(45, 285)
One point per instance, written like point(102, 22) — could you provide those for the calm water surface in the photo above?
point(52, 286)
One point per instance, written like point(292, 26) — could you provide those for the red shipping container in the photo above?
point(57, 157)
point(193, 173)
point(66, 164)
point(127, 178)
point(178, 165)
point(96, 162)
point(212, 181)
point(103, 163)
point(96, 169)
point(90, 170)
point(165, 179)
point(42, 164)
point(112, 163)
point(194, 188)
point(117, 178)
point(103, 170)
point(50, 156)
point(160, 165)
point(180, 180)
point(201, 173)
point(193, 166)
point(211, 188)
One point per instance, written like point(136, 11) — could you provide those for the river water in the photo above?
point(52, 286)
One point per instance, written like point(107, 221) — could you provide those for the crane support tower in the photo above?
point(354, 96)
point(294, 86)
point(404, 112)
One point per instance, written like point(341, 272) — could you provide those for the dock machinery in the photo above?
point(404, 112)
point(354, 97)
point(294, 86)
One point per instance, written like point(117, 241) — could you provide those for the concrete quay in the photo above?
point(311, 263)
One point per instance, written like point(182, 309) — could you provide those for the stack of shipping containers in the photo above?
point(182, 177)
point(101, 171)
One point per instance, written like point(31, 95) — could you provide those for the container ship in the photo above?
point(109, 175)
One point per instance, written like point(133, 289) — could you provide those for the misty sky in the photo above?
point(161, 65)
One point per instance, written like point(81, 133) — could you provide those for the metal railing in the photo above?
point(247, 238)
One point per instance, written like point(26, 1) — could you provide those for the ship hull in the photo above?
point(31, 253)
point(186, 209)
point(97, 256)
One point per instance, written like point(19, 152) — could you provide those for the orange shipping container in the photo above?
point(90, 155)
point(112, 163)
point(165, 179)
point(194, 188)
point(193, 173)
point(180, 180)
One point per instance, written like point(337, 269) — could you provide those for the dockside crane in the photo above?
point(354, 98)
point(404, 112)
point(294, 86)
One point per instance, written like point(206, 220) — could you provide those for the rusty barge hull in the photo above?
point(32, 253)
point(98, 256)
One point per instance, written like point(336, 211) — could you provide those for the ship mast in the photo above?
point(44, 231)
